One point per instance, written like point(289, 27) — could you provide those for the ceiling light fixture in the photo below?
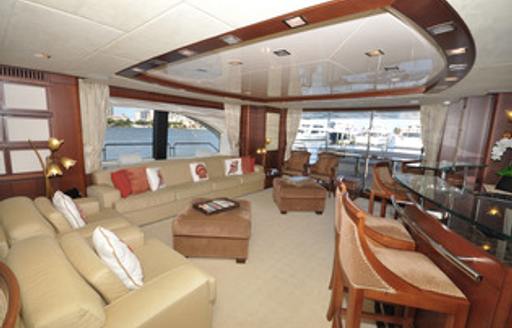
point(281, 53)
point(451, 78)
point(235, 62)
point(395, 79)
point(441, 28)
point(295, 22)
point(186, 52)
point(391, 68)
point(456, 51)
point(138, 70)
point(230, 39)
point(446, 102)
point(42, 55)
point(374, 53)
point(457, 67)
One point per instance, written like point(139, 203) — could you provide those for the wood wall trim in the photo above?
point(424, 13)
point(160, 97)
point(357, 109)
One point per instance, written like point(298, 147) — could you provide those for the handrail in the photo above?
point(170, 147)
point(12, 294)
point(440, 249)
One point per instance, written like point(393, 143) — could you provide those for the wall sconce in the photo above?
point(52, 165)
point(263, 152)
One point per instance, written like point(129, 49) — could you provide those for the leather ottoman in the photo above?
point(299, 194)
point(223, 234)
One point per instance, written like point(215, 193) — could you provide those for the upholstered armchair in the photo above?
point(325, 169)
point(297, 164)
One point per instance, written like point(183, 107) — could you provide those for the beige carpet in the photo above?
point(284, 282)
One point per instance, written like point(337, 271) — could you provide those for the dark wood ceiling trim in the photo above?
point(424, 13)
point(359, 109)
point(152, 96)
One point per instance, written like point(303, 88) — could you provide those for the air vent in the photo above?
point(281, 53)
point(391, 68)
point(22, 73)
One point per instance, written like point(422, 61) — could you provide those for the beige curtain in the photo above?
point(433, 118)
point(292, 126)
point(232, 118)
point(94, 107)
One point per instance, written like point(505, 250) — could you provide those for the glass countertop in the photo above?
point(484, 219)
point(446, 166)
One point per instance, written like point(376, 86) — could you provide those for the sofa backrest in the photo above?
point(174, 171)
point(52, 293)
point(56, 218)
point(21, 220)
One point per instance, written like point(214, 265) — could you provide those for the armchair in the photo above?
point(297, 164)
point(324, 170)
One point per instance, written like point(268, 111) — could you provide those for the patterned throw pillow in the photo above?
point(198, 171)
point(233, 166)
point(138, 179)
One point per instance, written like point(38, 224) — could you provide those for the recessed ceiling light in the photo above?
point(441, 28)
point(395, 79)
point(281, 52)
point(451, 78)
point(296, 21)
point(447, 102)
point(42, 55)
point(235, 62)
point(457, 67)
point(230, 39)
point(186, 52)
point(456, 51)
point(391, 68)
point(374, 53)
point(138, 70)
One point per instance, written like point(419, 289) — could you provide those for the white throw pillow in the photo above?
point(233, 166)
point(154, 177)
point(64, 204)
point(198, 171)
point(118, 257)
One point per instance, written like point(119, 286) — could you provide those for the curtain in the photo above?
point(432, 118)
point(293, 118)
point(94, 106)
point(232, 117)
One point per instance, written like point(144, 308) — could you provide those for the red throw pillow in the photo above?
point(248, 164)
point(121, 182)
point(138, 179)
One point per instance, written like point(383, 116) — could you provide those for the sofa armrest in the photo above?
point(131, 236)
point(88, 204)
point(106, 195)
point(180, 297)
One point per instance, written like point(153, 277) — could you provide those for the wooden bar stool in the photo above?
point(384, 186)
point(386, 231)
point(407, 278)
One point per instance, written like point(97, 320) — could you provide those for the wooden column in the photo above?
point(160, 134)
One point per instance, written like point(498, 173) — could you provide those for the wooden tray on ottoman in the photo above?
point(225, 234)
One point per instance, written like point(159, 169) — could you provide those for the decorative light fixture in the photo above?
point(441, 28)
point(486, 247)
point(186, 52)
point(493, 211)
point(456, 51)
point(281, 52)
point(295, 22)
point(451, 78)
point(52, 165)
point(374, 53)
point(508, 113)
point(230, 39)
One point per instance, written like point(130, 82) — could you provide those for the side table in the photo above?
point(270, 174)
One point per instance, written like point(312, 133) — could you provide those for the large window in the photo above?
point(377, 134)
point(130, 132)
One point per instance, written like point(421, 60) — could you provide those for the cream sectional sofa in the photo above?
point(180, 189)
point(63, 283)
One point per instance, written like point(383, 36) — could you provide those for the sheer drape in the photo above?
point(433, 118)
point(292, 127)
point(232, 117)
point(94, 108)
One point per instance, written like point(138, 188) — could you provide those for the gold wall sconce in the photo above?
point(53, 165)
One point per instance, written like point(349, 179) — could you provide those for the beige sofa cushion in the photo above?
point(80, 253)
point(215, 166)
point(111, 224)
point(58, 221)
point(192, 189)
point(21, 220)
point(226, 183)
point(104, 214)
point(175, 172)
point(102, 177)
point(253, 177)
point(4, 245)
point(146, 199)
point(52, 293)
point(156, 258)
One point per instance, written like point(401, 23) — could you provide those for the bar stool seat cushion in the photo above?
point(388, 227)
point(416, 269)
